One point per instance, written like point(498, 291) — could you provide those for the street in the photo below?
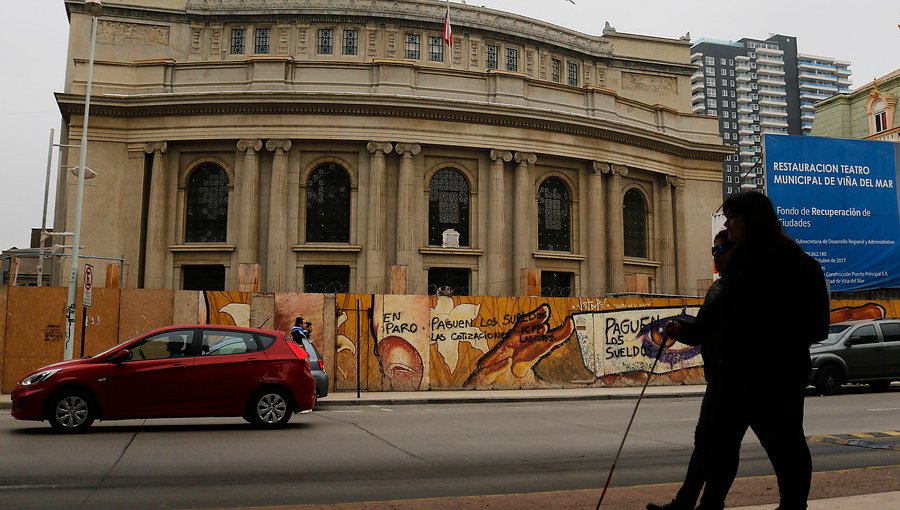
point(365, 453)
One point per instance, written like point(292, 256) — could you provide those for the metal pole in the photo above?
point(40, 264)
point(358, 344)
point(79, 197)
point(83, 326)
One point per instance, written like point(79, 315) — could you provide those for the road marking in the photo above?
point(884, 409)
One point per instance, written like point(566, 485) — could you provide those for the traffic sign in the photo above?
point(88, 285)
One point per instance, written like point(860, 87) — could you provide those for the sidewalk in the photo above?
point(858, 489)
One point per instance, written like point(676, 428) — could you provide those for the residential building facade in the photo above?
point(755, 87)
point(335, 146)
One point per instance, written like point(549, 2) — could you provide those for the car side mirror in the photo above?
point(850, 342)
point(120, 356)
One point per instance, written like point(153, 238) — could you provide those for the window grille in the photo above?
point(328, 205)
point(553, 216)
point(448, 206)
point(635, 224)
point(206, 217)
point(262, 41)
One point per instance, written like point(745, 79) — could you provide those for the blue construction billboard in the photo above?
point(839, 199)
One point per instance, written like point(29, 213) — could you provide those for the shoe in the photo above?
point(673, 505)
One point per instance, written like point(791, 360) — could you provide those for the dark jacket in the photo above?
point(776, 304)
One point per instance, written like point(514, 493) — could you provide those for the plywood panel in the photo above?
point(141, 310)
point(262, 311)
point(35, 331)
point(3, 295)
point(186, 307)
point(102, 325)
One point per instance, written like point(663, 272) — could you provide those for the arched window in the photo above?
point(328, 205)
point(206, 218)
point(553, 216)
point(635, 219)
point(448, 206)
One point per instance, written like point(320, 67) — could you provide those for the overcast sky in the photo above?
point(33, 38)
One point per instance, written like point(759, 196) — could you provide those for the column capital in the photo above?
point(151, 147)
point(247, 145)
point(384, 147)
point(407, 150)
point(600, 168)
point(497, 154)
point(618, 170)
point(528, 158)
point(278, 145)
point(673, 181)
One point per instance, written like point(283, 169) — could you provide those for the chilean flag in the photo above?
point(448, 30)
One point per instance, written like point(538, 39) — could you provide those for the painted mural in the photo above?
point(224, 308)
point(412, 343)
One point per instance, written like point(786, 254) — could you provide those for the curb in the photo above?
point(487, 399)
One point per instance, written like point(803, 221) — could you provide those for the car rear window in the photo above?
point(891, 331)
point(265, 341)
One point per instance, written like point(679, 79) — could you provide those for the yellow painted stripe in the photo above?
point(892, 432)
point(862, 435)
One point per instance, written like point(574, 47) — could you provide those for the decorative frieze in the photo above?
point(651, 83)
point(117, 31)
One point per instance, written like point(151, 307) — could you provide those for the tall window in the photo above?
point(325, 41)
point(492, 56)
point(237, 41)
point(262, 41)
point(555, 70)
point(328, 205)
point(351, 42)
point(512, 59)
point(448, 206)
point(206, 218)
point(553, 216)
point(412, 46)
point(435, 49)
point(881, 121)
point(635, 224)
point(573, 74)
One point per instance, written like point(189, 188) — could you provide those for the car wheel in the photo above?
point(71, 412)
point(269, 408)
point(879, 385)
point(829, 380)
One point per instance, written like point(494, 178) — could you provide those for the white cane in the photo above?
point(662, 346)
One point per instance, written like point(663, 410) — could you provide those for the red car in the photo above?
point(178, 371)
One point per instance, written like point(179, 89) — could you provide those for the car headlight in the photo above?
point(39, 377)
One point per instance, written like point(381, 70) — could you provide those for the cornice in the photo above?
point(463, 17)
point(467, 112)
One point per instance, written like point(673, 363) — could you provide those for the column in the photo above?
point(498, 272)
point(680, 237)
point(276, 266)
point(666, 243)
point(155, 257)
point(522, 223)
point(375, 251)
point(596, 226)
point(615, 232)
point(249, 208)
point(405, 211)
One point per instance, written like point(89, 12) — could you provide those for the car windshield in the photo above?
point(835, 332)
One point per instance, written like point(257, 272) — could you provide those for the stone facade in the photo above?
point(512, 104)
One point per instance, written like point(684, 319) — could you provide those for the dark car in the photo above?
point(178, 371)
point(316, 364)
point(863, 352)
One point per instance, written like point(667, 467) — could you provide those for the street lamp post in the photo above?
point(93, 8)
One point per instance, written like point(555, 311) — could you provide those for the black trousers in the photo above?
point(771, 403)
point(705, 446)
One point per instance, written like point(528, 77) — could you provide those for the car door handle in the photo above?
point(253, 360)
point(178, 366)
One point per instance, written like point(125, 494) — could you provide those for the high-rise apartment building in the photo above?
point(756, 87)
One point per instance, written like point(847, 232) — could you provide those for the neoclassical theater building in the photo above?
point(344, 146)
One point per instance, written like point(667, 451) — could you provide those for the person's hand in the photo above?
point(673, 329)
point(529, 340)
